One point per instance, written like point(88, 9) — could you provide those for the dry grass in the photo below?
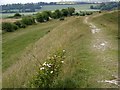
point(51, 42)
point(9, 20)
point(83, 66)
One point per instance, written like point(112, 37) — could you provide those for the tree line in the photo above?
point(40, 17)
point(107, 6)
point(28, 7)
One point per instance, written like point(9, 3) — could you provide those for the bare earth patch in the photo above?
point(101, 45)
point(9, 20)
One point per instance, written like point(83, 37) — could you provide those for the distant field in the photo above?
point(82, 7)
point(4, 15)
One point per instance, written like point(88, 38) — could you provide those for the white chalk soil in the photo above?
point(102, 45)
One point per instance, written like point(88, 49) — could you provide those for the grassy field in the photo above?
point(5, 15)
point(83, 67)
point(11, 41)
point(81, 7)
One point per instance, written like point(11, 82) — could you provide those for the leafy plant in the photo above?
point(48, 71)
point(9, 27)
point(17, 15)
point(28, 20)
point(39, 17)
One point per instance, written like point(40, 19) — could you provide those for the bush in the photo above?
point(15, 27)
point(48, 71)
point(54, 15)
point(100, 12)
point(89, 13)
point(9, 27)
point(28, 20)
point(23, 26)
point(48, 13)
point(17, 15)
point(77, 14)
point(39, 17)
point(71, 10)
point(58, 13)
point(20, 24)
point(45, 16)
point(64, 12)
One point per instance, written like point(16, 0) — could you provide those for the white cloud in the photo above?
point(24, 1)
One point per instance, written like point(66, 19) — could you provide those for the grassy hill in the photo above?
point(83, 67)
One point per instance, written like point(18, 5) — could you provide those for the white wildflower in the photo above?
point(63, 50)
point(55, 55)
point(44, 64)
point(51, 72)
point(52, 57)
point(62, 61)
point(48, 65)
point(42, 68)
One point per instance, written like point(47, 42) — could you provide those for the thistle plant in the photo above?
point(48, 71)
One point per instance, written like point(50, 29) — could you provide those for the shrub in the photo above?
point(17, 15)
point(28, 20)
point(54, 15)
point(48, 13)
point(89, 13)
point(23, 26)
point(48, 71)
point(39, 17)
point(20, 24)
point(64, 12)
point(45, 16)
point(71, 10)
point(100, 12)
point(58, 13)
point(9, 27)
point(77, 14)
point(15, 27)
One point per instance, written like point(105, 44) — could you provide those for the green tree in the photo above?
point(20, 24)
point(58, 13)
point(71, 10)
point(91, 7)
point(54, 15)
point(39, 17)
point(17, 15)
point(45, 16)
point(64, 12)
point(28, 20)
point(9, 27)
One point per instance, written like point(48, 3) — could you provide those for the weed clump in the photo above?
point(48, 71)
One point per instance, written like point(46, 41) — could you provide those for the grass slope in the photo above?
point(83, 66)
point(108, 59)
point(72, 29)
point(15, 43)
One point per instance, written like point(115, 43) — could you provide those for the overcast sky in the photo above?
point(29, 1)
point(25, 1)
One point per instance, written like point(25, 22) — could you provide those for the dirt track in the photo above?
point(100, 44)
